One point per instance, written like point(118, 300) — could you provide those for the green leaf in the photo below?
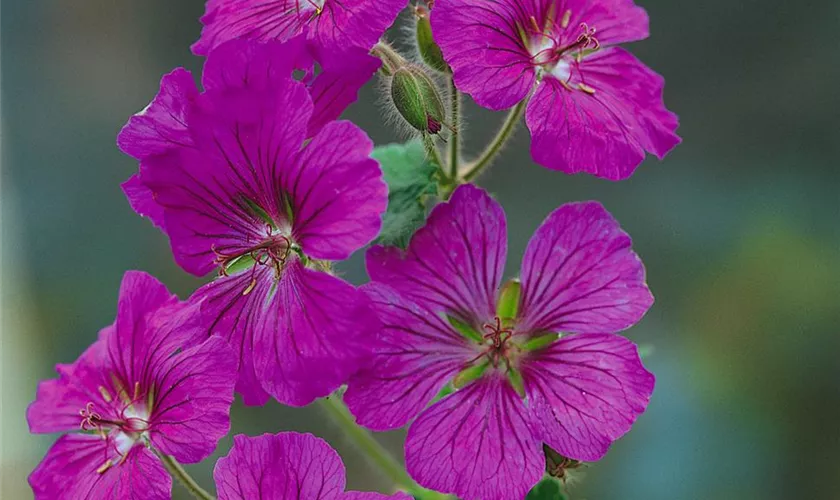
point(547, 489)
point(410, 179)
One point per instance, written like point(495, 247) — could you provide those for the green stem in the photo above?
point(455, 138)
point(502, 136)
point(391, 59)
point(178, 472)
point(433, 153)
point(371, 448)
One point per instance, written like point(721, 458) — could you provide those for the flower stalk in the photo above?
point(497, 144)
point(370, 447)
point(454, 138)
point(177, 471)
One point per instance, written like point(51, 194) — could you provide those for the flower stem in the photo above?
point(433, 154)
point(455, 138)
point(502, 136)
point(391, 59)
point(178, 472)
point(374, 451)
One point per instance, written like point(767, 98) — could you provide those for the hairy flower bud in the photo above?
point(429, 50)
point(417, 99)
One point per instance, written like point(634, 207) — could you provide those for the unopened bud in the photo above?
point(429, 50)
point(417, 99)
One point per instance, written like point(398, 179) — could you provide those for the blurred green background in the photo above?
point(739, 228)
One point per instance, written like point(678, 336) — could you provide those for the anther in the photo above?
point(104, 467)
point(586, 88)
point(250, 287)
point(567, 16)
point(105, 394)
point(535, 25)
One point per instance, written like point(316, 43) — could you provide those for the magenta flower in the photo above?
point(162, 126)
point(537, 366)
point(285, 466)
point(330, 24)
point(592, 107)
point(146, 386)
point(241, 190)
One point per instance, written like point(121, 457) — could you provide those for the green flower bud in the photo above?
point(429, 50)
point(417, 99)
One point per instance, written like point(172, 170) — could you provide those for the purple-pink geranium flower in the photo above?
point(285, 466)
point(330, 24)
point(593, 107)
point(239, 187)
point(541, 364)
point(147, 385)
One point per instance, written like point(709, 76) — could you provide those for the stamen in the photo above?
point(535, 25)
point(586, 88)
point(105, 394)
point(136, 391)
point(250, 287)
point(104, 467)
point(567, 16)
point(497, 337)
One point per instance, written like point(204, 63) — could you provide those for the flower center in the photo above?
point(125, 429)
point(550, 53)
point(496, 341)
point(272, 251)
point(316, 5)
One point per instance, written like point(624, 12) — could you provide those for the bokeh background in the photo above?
point(738, 227)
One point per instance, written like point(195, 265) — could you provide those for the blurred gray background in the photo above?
point(738, 227)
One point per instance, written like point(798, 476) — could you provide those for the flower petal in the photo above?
point(152, 324)
point(58, 401)
point(344, 73)
point(360, 23)
point(142, 201)
point(242, 63)
point(580, 275)
point(257, 65)
point(312, 335)
point(162, 125)
point(454, 263)
point(605, 130)
point(615, 21)
point(262, 20)
point(479, 40)
point(232, 314)
point(193, 394)
point(337, 193)
point(339, 24)
point(71, 469)
point(416, 354)
point(476, 444)
point(586, 390)
point(281, 466)
point(244, 140)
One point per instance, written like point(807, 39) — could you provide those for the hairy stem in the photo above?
point(178, 472)
point(365, 442)
point(502, 136)
point(391, 59)
point(455, 138)
point(433, 154)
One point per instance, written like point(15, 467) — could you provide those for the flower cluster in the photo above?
point(254, 180)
